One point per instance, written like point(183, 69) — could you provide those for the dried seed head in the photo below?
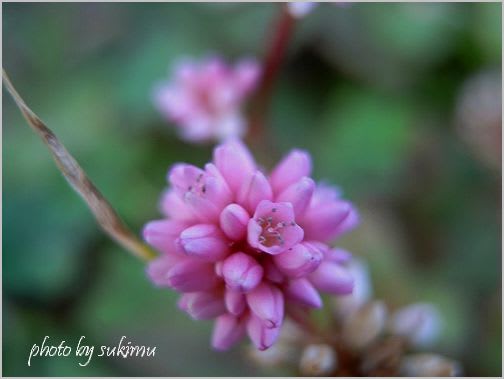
point(318, 360)
point(427, 364)
point(363, 326)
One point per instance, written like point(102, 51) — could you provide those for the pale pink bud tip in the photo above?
point(241, 272)
point(233, 222)
point(291, 169)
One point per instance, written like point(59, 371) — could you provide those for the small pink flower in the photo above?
point(203, 99)
point(240, 244)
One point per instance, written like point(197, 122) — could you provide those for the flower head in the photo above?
point(240, 244)
point(204, 98)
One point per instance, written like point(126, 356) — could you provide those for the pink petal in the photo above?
point(302, 291)
point(204, 241)
point(216, 188)
point(332, 278)
point(298, 261)
point(235, 163)
point(299, 195)
point(262, 336)
point(235, 302)
point(191, 276)
point(290, 170)
point(227, 331)
point(241, 272)
point(233, 222)
point(182, 176)
point(204, 209)
point(267, 303)
point(253, 190)
point(203, 305)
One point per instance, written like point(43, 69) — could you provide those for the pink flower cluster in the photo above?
point(204, 99)
point(241, 245)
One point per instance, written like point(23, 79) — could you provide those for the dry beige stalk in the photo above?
point(106, 216)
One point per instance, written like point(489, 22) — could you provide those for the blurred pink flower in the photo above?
point(240, 244)
point(300, 9)
point(203, 99)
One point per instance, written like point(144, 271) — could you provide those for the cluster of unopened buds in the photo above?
point(363, 339)
point(244, 247)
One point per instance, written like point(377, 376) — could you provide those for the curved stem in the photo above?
point(284, 27)
point(106, 216)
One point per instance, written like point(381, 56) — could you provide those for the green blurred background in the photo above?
point(400, 105)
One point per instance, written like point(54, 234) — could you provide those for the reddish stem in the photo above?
point(283, 29)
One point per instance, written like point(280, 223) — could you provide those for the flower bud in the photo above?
point(299, 195)
point(203, 305)
point(298, 261)
point(426, 364)
point(261, 335)
point(365, 325)
point(191, 276)
point(235, 302)
point(291, 169)
point(253, 190)
point(242, 272)
point(267, 303)
point(303, 292)
point(203, 241)
point(318, 360)
point(332, 278)
point(227, 330)
point(233, 222)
